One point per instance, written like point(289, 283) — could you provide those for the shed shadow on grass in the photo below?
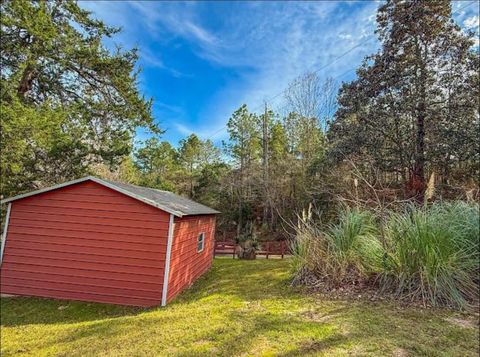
point(22, 310)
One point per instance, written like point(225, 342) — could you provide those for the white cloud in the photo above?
point(200, 33)
point(214, 135)
point(276, 42)
point(264, 44)
point(178, 20)
point(345, 36)
point(471, 22)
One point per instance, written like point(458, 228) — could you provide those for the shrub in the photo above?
point(432, 254)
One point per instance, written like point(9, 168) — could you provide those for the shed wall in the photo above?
point(85, 242)
point(186, 263)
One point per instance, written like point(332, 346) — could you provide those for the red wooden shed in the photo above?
point(97, 240)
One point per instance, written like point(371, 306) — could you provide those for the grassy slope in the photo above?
point(238, 308)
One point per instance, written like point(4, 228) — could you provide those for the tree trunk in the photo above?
point(266, 203)
point(26, 83)
point(418, 172)
point(240, 200)
point(418, 179)
point(191, 180)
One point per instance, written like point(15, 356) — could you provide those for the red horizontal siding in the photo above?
point(101, 207)
point(62, 261)
point(83, 249)
point(93, 213)
point(186, 263)
point(92, 219)
point(83, 257)
point(86, 280)
point(86, 242)
point(103, 289)
point(73, 272)
point(94, 243)
point(82, 295)
point(84, 234)
point(60, 223)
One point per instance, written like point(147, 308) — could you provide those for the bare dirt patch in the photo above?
point(400, 352)
point(462, 322)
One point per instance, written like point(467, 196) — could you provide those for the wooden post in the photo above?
point(234, 249)
point(282, 247)
point(268, 248)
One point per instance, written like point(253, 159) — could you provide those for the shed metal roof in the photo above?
point(164, 200)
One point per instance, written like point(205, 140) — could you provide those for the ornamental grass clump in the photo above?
point(428, 254)
point(432, 254)
point(338, 254)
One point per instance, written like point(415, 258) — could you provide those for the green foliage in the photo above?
point(209, 186)
point(244, 143)
point(339, 253)
point(411, 109)
point(194, 155)
point(432, 253)
point(354, 244)
point(429, 254)
point(194, 165)
point(66, 101)
point(158, 163)
point(278, 143)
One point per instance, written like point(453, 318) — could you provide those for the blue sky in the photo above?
point(202, 60)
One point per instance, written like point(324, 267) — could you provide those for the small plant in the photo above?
point(248, 243)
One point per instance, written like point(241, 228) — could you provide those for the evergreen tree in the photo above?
point(66, 100)
point(244, 148)
point(194, 154)
point(158, 163)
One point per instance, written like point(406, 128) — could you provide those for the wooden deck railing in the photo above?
point(267, 249)
point(223, 248)
point(273, 248)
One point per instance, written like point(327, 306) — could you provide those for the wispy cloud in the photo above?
point(471, 22)
point(177, 20)
point(213, 135)
point(256, 48)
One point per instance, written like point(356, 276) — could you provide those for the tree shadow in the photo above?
point(265, 307)
point(247, 280)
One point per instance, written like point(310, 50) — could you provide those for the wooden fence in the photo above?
point(267, 249)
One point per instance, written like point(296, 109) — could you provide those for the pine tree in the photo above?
point(244, 148)
point(194, 154)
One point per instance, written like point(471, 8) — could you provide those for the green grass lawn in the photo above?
point(240, 308)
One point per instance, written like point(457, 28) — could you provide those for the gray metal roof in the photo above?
point(164, 200)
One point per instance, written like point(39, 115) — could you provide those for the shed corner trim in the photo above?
point(4, 234)
point(167, 260)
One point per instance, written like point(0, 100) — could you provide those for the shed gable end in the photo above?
point(85, 242)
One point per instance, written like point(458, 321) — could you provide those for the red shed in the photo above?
point(104, 241)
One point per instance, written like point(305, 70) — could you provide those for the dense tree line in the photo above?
point(405, 127)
